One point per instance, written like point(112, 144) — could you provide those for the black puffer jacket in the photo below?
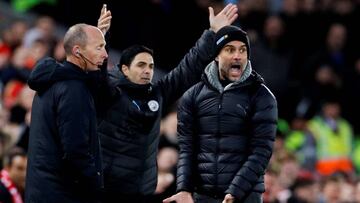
point(64, 162)
point(129, 126)
point(226, 135)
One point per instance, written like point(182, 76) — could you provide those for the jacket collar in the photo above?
point(118, 79)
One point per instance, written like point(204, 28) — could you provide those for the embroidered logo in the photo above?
point(221, 39)
point(153, 105)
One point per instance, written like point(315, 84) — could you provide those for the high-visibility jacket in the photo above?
point(333, 148)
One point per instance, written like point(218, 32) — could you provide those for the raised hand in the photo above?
point(223, 18)
point(104, 21)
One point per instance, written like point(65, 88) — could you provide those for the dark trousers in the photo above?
point(254, 197)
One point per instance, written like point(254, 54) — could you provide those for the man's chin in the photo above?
point(145, 82)
point(93, 68)
point(234, 79)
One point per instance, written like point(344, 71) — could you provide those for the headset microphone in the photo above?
point(83, 57)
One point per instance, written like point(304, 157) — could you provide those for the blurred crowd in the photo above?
point(306, 52)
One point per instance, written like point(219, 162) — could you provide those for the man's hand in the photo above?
point(228, 199)
point(223, 18)
point(104, 20)
point(181, 197)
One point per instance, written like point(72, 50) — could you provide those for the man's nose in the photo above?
point(147, 69)
point(237, 55)
point(105, 54)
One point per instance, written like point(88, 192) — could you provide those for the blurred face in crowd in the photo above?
point(232, 60)
point(18, 30)
point(331, 191)
point(273, 28)
point(46, 25)
point(17, 171)
point(307, 193)
point(331, 110)
point(325, 75)
point(141, 69)
point(336, 37)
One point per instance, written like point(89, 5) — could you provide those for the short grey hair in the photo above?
point(76, 35)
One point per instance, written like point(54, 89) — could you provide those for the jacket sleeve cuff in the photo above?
point(237, 193)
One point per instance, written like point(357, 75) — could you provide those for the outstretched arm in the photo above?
point(190, 68)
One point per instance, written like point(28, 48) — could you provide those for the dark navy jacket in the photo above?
point(64, 162)
point(225, 135)
point(129, 127)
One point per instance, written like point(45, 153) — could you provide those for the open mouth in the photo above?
point(235, 70)
point(236, 66)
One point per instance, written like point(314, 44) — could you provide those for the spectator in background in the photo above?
point(333, 53)
point(272, 188)
point(304, 189)
point(324, 84)
point(300, 142)
point(226, 128)
point(271, 54)
point(331, 189)
point(289, 169)
point(16, 113)
point(13, 36)
point(347, 191)
point(12, 176)
point(44, 29)
point(168, 134)
point(64, 154)
point(16, 125)
point(25, 103)
point(334, 140)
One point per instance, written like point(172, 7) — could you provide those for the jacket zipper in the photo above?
point(217, 137)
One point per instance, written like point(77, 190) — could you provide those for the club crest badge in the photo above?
point(153, 105)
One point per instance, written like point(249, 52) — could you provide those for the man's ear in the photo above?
point(76, 51)
point(217, 59)
point(125, 69)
